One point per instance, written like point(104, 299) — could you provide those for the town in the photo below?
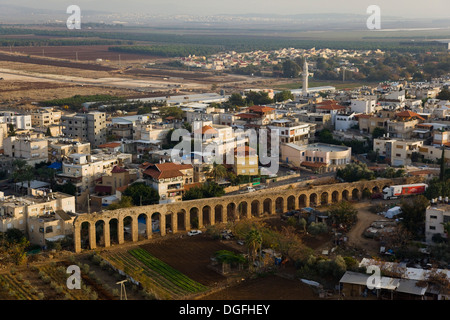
point(231, 175)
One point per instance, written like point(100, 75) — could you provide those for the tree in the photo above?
point(236, 100)
point(218, 171)
point(343, 213)
point(48, 133)
point(125, 202)
point(355, 172)
point(442, 168)
point(444, 94)
point(253, 241)
point(378, 132)
point(141, 194)
point(207, 190)
point(291, 69)
point(257, 98)
point(175, 112)
point(283, 96)
point(413, 214)
point(12, 130)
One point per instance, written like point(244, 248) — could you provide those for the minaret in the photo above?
point(305, 79)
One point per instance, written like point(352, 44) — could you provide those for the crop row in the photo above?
point(167, 271)
point(16, 289)
point(154, 281)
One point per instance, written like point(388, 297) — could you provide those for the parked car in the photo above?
point(194, 232)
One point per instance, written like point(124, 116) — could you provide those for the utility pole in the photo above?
point(122, 289)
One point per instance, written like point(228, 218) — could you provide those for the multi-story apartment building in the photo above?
point(317, 156)
point(365, 105)
point(404, 124)
point(435, 217)
point(245, 161)
point(82, 170)
point(62, 148)
point(397, 152)
point(45, 216)
point(86, 127)
point(169, 179)
point(45, 117)
point(18, 121)
point(293, 132)
point(31, 147)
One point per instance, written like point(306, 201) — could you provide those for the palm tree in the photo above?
point(218, 171)
point(253, 241)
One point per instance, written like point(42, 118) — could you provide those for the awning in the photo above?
point(55, 165)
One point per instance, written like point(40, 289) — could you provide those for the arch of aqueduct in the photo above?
point(178, 215)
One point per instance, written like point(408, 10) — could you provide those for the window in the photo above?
point(433, 217)
point(432, 228)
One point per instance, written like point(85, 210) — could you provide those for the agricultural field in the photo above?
point(82, 53)
point(156, 277)
point(48, 282)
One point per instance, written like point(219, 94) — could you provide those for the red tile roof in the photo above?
point(408, 114)
point(247, 115)
point(166, 170)
point(244, 150)
point(110, 145)
point(117, 169)
point(261, 109)
point(206, 130)
point(331, 107)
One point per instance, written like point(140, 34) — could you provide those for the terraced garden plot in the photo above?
point(11, 288)
point(155, 275)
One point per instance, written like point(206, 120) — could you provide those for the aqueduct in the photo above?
point(203, 212)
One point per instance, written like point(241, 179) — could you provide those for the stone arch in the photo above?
point(375, 190)
point(346, 195)
point(324, 198)
point(181, 219)
point(86, 236)
point(255, 211)
point(243, 210)
point(355, 194)
point(267, 206)
point(313, 201)
point(335, 197)
point(114, 231)
point(168, 222)
point(366, 193)
point(302, 201)
point(206, 216)
point(194, 218)
point(231, 212)
point(156, 219)
point(100, 229)
point(279, 205)
point(127, 228)
point(218, 213)
point(291, 203)
point(144, 226)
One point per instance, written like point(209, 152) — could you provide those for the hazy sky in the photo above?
point(403, 8)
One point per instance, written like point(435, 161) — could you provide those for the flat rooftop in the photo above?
point(319, 147)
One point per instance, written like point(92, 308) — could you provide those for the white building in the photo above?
point(435, 217)
point(365, 105)
point(344, 122)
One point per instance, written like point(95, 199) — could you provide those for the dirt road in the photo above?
point(355, 235)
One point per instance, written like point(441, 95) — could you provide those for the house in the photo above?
point(245, 161)
point(32, 147)
point(317, 156)
point(169, 179)
point(436, 216)
point(397, 152)
point(43, 216)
